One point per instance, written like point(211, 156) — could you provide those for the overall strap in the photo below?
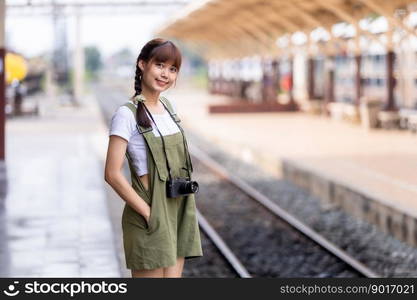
point(140, 129)
point(163, 141)
point(168, 105)
point(175, 117)
point(148, 138)
point(133, 109)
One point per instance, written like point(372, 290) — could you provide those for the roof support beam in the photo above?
point(241, 26)
point(348, 18)
point(244, 36)
point(213, 35)
point(252, 17)
point(388, 14)
point(294, 27)
point(314, 22)
point(273, 31)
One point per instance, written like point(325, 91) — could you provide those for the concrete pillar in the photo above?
point(79, 66)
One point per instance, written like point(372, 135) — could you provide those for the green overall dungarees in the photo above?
point(173, 227)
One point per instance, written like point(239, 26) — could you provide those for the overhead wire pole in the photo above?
point(2, 79)
point(3, 175)
point(78, 60)
point(60, 56)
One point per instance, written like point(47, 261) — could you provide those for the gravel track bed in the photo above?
point(381, 252)
point(266, 246)
point(211, 265)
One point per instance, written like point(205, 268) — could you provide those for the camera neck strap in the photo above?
point(163, 141)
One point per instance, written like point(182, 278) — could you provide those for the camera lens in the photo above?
point(190, 187)
point(194, 186)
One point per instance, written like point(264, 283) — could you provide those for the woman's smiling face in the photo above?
point(158, 76)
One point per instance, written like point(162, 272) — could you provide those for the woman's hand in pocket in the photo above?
point(147, 214)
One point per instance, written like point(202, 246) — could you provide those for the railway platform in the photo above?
point(368, 173)
point(55, 220)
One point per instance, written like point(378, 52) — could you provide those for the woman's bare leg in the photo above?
point(176, 270)
point(154, 273)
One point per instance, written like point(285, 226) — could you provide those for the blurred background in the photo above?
point(315, 98)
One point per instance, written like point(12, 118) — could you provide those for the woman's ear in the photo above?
point(141, 65)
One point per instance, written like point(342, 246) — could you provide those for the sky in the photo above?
point(32, 36)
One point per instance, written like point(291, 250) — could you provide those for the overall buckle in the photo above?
point(145, 130)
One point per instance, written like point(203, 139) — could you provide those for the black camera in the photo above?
point(180, 186)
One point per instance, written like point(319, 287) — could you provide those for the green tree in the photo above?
point(93, 61)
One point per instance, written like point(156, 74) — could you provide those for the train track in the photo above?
point(255, 195)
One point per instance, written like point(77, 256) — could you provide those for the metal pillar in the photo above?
point(2, 79)
point(358, 65)
point(310, 78)
point(329, 86)
point(277, 72)
point(390, 59)
point(78, 60)
point(358, 81)
point(60, 57)
point(270, 81)
point(275, 77)
point(390, 102)
point(265, 80)
point(291, 89)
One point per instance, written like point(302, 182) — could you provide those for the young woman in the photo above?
point(159, 232)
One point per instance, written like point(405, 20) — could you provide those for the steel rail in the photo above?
point(223, 248)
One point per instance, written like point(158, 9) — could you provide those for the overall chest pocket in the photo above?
point(158, 158)
point(174, 150)
point(176, 157)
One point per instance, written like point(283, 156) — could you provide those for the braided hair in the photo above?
point(159, 50)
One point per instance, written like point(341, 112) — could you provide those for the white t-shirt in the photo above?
point(123, 124)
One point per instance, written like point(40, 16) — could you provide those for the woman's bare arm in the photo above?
point(114, 177)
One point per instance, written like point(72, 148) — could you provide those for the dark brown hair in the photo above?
point(158, 50)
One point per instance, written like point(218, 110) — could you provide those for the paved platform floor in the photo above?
point(55, 221)
point(383, 163)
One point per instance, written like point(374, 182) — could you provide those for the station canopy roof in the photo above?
point(224, 28)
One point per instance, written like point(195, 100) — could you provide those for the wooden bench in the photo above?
point(412, 123)
point(408, 119)
point(389, 119)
